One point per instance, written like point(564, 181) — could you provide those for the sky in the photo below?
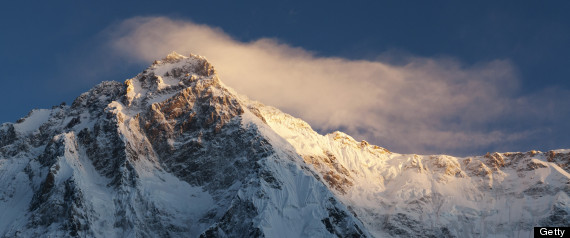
point(428, 77)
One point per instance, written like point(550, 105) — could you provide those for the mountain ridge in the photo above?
point(175, 152)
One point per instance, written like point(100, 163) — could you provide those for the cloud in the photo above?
point(424, 105)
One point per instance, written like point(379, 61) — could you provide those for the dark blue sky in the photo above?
point(46, 45)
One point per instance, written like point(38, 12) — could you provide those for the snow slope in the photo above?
point(499, 194)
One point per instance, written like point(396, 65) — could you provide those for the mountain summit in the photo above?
point(173, 152)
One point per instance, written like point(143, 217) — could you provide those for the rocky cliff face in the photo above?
point(173, 152)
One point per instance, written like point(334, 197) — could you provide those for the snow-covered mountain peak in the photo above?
point(169, 76)
point(177, 60)
point(173, 152)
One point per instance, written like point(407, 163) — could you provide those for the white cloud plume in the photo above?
point(423, 106)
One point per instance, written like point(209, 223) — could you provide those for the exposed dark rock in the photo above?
point(236, 222)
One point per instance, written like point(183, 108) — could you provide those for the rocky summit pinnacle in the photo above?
point(173, 152)
point(173, 56)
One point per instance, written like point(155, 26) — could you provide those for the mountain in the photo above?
point(173, 152)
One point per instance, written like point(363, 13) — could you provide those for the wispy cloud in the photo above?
point(425, 105)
